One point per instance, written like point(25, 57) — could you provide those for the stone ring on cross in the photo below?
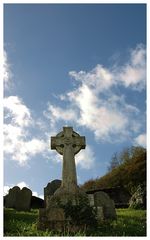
point(69, 138)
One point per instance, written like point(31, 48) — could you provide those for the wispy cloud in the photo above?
point(140, 140)
point(16, 110)
point(18, 143)
point(99, 78)
point(55, 113)
point(7, 73)
point(133, 73)
point(86, 158)
point(37, 195)
point(22, 185)
point(94, 103)
point(8, 187)
point(6, 190)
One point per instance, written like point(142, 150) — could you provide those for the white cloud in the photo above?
point(140, 140)
point(18, 147)
point(138, 56)
point(99, 78)
point(17, 130)
point(41, 196)
point(98, 115)
point(17, 111)
point(85, 158)
point(7, 74)
point(133, 73)
point(55, 113)
point(6, 190)
point(93, 104)
point(22, 185)
point(37, 195)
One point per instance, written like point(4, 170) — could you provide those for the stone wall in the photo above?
point(119, 195)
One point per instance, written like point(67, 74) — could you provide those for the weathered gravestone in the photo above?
point(51, 188)
point(11, 197)
point(105, 207)
point(102, 200)
point(23, 201)
point(19, 199)
point(119, 194)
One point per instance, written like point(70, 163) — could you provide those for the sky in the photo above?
point(79, 65)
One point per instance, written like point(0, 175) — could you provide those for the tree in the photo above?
point(114, 162)
point(125, 155)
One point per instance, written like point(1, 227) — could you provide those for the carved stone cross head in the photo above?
point(68, 138)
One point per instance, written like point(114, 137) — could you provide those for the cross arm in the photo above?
point(55, 142)
point(80, 142)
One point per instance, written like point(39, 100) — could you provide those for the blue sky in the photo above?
point(79, 65)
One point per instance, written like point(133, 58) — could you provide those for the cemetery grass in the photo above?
point(129, 223)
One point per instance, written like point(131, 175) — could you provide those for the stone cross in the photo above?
point(68, 143)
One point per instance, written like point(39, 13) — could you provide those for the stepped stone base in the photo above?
point(52, 219)
point(53, 216)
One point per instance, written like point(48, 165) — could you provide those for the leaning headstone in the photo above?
point(51, 188)
point(23, 202)
point(11, 197)
point(101, 199)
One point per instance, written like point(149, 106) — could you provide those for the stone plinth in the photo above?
point(52, 218)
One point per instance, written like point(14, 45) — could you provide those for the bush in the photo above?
point(138, 199)
point(82, 214)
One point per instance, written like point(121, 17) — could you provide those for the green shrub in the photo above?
point(82, 214)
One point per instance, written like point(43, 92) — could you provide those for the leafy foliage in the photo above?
point(114, 162)
point(138, 199)
point(81, 214)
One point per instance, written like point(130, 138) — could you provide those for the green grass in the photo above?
point(129, 223)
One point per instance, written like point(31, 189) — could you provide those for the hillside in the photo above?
point(130, 172)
